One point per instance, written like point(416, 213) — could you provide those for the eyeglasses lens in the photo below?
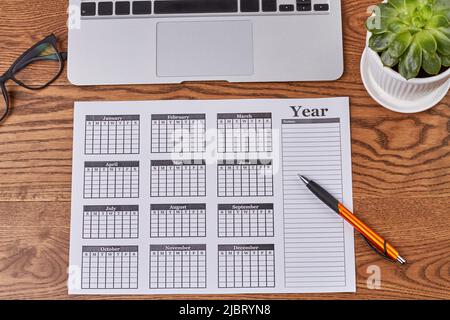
point(41, 66)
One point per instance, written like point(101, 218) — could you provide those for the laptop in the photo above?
point(174, 41)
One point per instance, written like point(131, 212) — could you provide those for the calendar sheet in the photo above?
point(203, 197)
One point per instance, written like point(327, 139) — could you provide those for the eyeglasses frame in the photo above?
point(22, 62)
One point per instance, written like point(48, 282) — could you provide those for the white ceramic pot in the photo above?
point(394, 92)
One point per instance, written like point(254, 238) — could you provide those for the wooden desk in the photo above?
point(401, 166)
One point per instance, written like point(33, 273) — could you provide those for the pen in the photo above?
point(372, 238)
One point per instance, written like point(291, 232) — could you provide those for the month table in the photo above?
point(112, 134)
point(178, 266)
point(246, 266)
point(177, 220)
point(118, 179)
point(110, 222)
point(245, 220)
point(244, 132)
point(109, 267)
point(244, 178)
point(178, 178)
point(178, 133)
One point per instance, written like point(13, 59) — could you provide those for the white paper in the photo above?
point(201, 197)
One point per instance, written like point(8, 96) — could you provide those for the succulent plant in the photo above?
point(412, 36)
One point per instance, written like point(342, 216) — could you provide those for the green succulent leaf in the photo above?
point(446, 13)
point(388, 60)
point(379, 42)
point(397, 26)
point(411, 63)
point(445, 60)
point(439, 21)
point(398, 4)
point(385, 10)
point(442, 7)
point(445, 31)
point(412, 35)
point(431, 63)
point(426, 12)
point(440, 4)
point(400, 44)
point(426, 41)
point(443, 42)
point(412, 5)
point(419, 22)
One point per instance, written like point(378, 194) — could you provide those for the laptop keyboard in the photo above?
point(188, 7)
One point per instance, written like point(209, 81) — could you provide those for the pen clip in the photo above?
point(381, 253)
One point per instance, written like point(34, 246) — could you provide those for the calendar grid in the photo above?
point(111, 179)
point(244, 178)
point(103, 267)
point(244, 132)
point(113, 134)
point(181, 133)
point(178, 178)
point(245, 220)
point(246, 266)
point(177, 220)
point(177, 266)
point(110, 222)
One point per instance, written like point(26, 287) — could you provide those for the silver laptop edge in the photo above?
point(276, 46)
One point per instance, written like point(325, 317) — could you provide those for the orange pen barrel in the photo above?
point(374, 238)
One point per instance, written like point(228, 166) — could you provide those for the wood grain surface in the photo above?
point(401, 167)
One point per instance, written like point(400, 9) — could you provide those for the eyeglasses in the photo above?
point(36, 69)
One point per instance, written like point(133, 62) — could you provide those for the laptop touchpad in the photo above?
point(210, 48)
